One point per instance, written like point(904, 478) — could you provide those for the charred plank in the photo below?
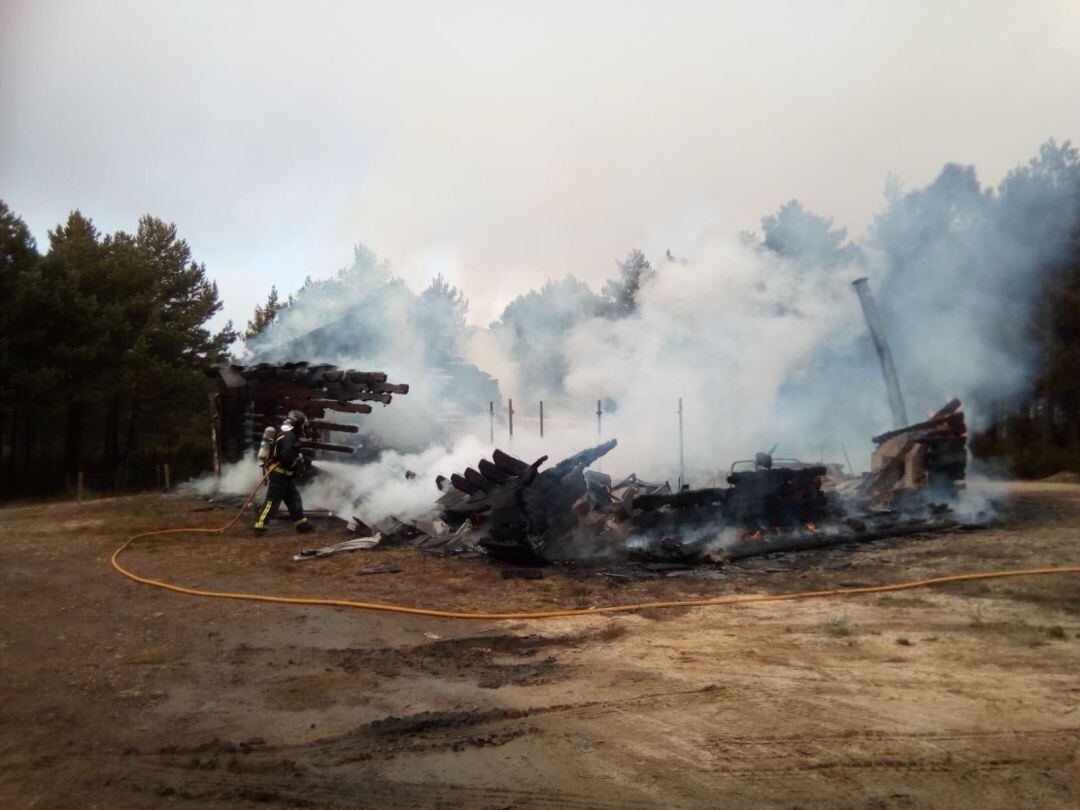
point(947, 415)
point(690, 497)
point(493, 473)
point(508, 463)
point(478, 480)
point(342, 407)
point(365, 376)
point(335, 448)
point(461, 483)
point(337, 427)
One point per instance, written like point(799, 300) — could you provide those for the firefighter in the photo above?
point(285, 463)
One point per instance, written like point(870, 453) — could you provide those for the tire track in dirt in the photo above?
point(328, 787)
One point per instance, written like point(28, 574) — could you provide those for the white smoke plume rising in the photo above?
point(235, 479)
point(762, 339)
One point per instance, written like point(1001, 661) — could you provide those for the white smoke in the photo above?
point(372, 492)
point(725, 331)
point(235, 479)
point(763, 341)
point(382, 489)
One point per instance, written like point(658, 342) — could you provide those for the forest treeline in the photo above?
point(103, 339)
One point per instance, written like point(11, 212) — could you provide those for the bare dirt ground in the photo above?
point(115, 694)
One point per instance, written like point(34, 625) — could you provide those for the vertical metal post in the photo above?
point(510, 413)
point(682, 467)
point(168, 478)
point(491, 420)
point(79, 490)
point(541, 419)
point(599, 418)
point(217, 455)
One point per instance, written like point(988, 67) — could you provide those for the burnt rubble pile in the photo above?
point(927, 457)
point(252, 398)
point(526, 512)
point(519, 513)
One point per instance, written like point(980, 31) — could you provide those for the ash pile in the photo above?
point(522, 513)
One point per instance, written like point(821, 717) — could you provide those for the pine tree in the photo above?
point(264, 315)
point(439, 313)
point(18, 260)
point(795, 233)
point(63, 312)
point(18, 256)
point(622, 292)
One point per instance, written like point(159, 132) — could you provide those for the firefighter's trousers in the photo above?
point(281, 487)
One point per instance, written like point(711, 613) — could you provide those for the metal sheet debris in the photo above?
point(357, 544)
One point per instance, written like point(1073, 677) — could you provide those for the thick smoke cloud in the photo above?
point(762, 338)
point(963, 267)
point(367, 318)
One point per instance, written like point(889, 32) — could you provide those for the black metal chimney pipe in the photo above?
point(877, 334)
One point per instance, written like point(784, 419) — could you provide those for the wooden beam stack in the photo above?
point(254, 397)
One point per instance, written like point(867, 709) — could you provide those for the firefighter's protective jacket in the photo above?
point(287, 457)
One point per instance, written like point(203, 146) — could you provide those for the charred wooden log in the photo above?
point(340, 407)
point(806, 540)
point(365, 376)
point(333, 448)
point(680, 500)
point(336, 427)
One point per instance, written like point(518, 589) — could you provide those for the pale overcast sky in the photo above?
point(506, 142)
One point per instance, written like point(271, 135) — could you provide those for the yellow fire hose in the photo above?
point(545, 614)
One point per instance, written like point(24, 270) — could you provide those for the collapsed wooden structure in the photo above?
point(525, 510)
point(526, 515)
point(927, 457)
point(519, 513)
point(252, 398)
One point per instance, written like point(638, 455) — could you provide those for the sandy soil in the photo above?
point(115, 694)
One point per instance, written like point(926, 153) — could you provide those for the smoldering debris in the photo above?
point(523, 513)
point(519, 513)
point(530, 514)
